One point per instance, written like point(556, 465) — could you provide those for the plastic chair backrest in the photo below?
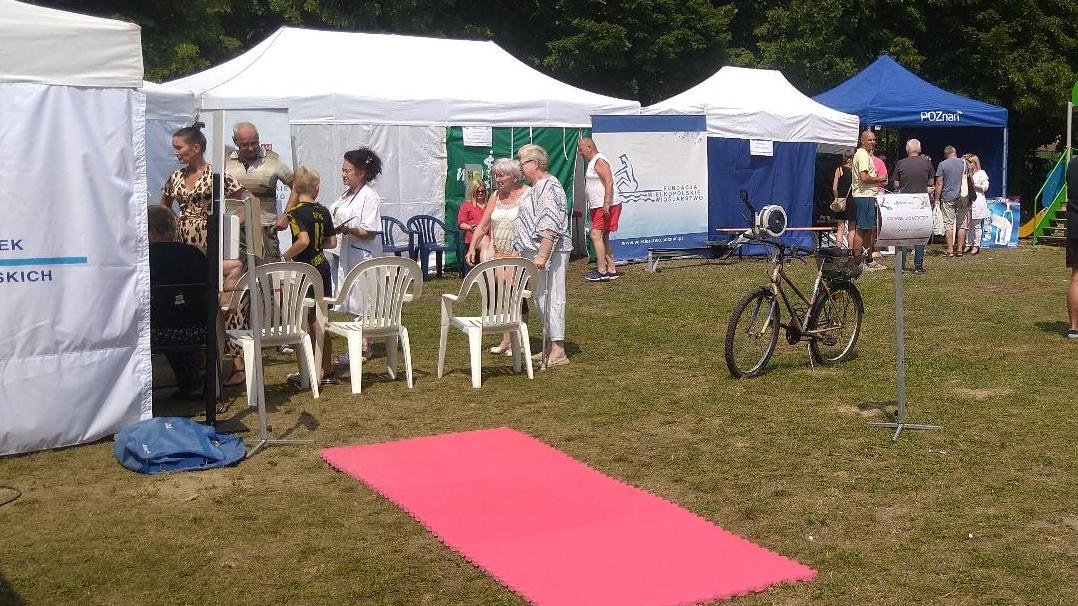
point(282, 288)
point(501, 284)
point(389, 236)
point(426, 226)
point(383, 283)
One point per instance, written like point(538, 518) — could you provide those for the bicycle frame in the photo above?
point(778, 279)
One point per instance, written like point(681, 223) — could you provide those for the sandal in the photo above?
point(948, 253)
point(976, 249)
point(551, 363)
point(233, 382)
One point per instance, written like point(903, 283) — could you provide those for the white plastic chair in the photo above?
point(384, 283)
point(502, 284)
point(282, 294)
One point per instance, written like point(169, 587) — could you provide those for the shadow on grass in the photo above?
point(1058, 327)
point(571, 347)
point(238, 423)
point(8, 597)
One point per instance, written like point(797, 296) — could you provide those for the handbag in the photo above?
point(937, 220)
point(839, 204)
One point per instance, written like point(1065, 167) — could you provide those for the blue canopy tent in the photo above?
point(887, 94)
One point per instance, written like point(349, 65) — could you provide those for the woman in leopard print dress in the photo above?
point(192, 188)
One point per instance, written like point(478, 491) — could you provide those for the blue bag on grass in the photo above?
point(165, 444)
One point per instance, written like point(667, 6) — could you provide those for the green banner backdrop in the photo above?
point(559, 143)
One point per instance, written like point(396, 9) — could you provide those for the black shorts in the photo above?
point(327, 281)
point(1072, 253)
point(850, 214)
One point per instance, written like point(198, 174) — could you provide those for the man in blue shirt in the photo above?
point(950, 175)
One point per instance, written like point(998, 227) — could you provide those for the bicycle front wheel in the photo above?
point(752, 333)
point(835, 323)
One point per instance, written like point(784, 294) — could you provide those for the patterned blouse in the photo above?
point(195, 202)
point(543, 209)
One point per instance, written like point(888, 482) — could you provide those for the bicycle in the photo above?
point(832, 323)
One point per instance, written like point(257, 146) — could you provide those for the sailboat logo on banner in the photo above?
point(627, 185)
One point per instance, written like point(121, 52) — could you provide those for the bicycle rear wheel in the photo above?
point(837, 316)
point(752, 333)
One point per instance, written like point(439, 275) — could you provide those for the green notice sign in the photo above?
point(1074, 94)
point(485, 145)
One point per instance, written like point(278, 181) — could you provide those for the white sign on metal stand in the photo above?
point(905, 221)
point(252, 220)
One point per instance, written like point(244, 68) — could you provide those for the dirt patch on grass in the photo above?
point(983, 393)
point(1056, 536)
point(861, 412)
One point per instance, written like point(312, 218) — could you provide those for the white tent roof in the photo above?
point(743, 103)
point(50, 46)
point(344, 77)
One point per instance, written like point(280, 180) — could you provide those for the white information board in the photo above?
point(905, 220)
point(761, 148)
point(478, 136)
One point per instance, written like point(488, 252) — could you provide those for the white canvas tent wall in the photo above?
point(167, 110)
point(74, 272)
point(396, 94)
point(742, 103)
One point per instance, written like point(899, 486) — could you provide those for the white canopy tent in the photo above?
point(49, 46)
point(396, 94)
point(74, 270)
point(742, 103)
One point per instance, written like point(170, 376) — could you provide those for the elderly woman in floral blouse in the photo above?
point(542, 234)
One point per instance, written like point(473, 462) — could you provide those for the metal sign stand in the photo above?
point(900, 346)
point(251, 221)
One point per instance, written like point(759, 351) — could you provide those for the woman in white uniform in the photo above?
point(358, 220)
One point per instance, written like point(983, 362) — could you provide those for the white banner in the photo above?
point(74, 265)
point(905, 220)
point(660, 174)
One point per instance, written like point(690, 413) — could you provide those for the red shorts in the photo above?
point(599, 222)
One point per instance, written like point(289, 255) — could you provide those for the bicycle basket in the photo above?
point(841, 268)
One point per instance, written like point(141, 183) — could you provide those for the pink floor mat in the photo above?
point(556, 531)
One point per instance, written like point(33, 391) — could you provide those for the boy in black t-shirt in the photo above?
point(312, 230)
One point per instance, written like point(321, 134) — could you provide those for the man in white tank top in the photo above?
point(604, 208)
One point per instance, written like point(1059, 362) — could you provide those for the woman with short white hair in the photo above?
point(500, 218)
point(542, 234)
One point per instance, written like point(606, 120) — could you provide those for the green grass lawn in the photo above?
point(983, 512)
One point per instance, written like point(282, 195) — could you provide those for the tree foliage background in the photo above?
point(1020, 54)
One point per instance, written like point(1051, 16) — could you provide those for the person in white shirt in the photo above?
point(356, 214)
point(604, 207)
